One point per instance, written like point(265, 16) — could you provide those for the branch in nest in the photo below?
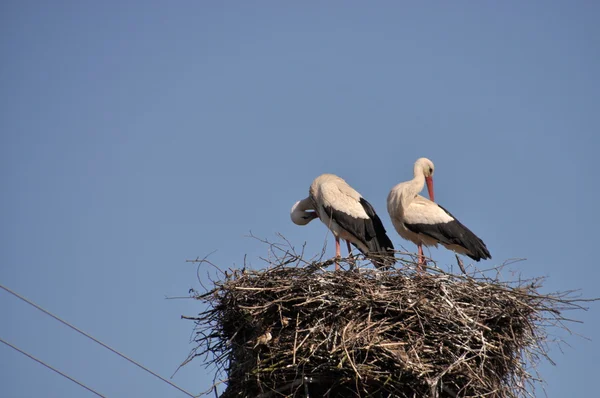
point(374, 333)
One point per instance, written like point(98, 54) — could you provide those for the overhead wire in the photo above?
point(96, 340)
point(51, 368)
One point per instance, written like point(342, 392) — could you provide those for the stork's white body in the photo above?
point(347, 215)
point(424, 222)
point(420, 210)
point(331, 191)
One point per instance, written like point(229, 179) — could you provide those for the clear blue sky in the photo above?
point(136, 135)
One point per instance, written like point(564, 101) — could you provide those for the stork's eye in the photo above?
point(430, 170)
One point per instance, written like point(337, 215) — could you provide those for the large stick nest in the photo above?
point(295, 329)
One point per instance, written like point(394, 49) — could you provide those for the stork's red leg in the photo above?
point(421, 262)
point(338, 253)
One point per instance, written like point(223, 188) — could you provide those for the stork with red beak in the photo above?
point(424, 222)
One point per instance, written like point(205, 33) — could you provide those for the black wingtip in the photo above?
point(479, 252)
point(454, 233)
point(381, 248)
point(473, 243)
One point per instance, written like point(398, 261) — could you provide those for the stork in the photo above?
point(424, 222)
point(348, 215)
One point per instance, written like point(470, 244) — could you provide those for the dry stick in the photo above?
point(346, 350)
point(460, 264)
point(296, 337)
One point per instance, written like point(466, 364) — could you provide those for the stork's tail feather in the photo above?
point(381, 248)
point(477, 249)
point(455, 233)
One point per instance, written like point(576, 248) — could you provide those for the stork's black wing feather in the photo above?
point(353, 225)
point(384, 244)
point(453, 233)
point(369, 231)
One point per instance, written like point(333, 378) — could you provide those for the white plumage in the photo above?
point(424, 222)
point(348, 215)
point(301, 214)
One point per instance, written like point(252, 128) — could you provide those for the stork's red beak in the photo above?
point(429, 181)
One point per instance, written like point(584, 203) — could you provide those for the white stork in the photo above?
point(348, 215)
point(424, 222)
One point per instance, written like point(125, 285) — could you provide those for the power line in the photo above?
point(96, 340)
point(51, 368)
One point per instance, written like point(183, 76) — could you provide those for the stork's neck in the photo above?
point(402, 195)
point(418, 182)
point(412, 188)
point(305, 204)
point(300, 213)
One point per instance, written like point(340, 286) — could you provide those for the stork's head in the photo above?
point(299, 213)
point(425, 166)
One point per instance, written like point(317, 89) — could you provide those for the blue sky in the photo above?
point(136, 135)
